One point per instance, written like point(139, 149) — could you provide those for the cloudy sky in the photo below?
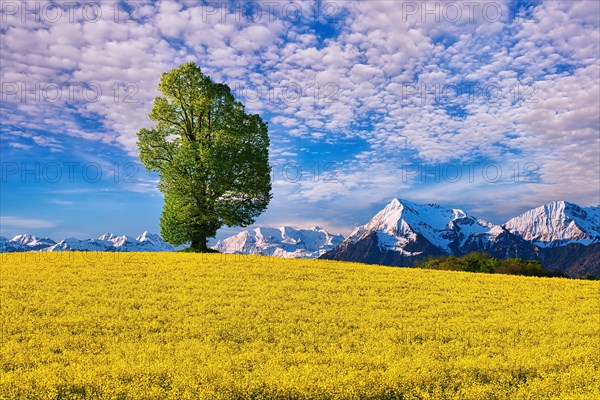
point(489, 106)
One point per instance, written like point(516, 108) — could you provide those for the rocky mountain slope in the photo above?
point(282, 242)
point(557, 224)
point(107, 242)
point(563, 236)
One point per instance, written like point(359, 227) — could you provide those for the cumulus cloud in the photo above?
point(26, 223)
point(416, 82)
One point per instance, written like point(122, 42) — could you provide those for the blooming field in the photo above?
point(179, 325)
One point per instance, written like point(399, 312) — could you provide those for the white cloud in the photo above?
point(62, 202)
point(25, 223)
point(17, 145)
point(350, 85)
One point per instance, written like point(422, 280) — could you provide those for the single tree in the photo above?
point(212, 157)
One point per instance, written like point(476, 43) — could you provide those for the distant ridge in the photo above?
point(562, 235)
point(558, 223)
point(106, 242)
point(283, 242)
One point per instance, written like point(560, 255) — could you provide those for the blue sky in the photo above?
point(489, 106)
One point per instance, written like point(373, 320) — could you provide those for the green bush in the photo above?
point(481, 262)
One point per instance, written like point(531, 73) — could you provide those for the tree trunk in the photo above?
point(199, 244)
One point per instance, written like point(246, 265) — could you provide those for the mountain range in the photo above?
point(563, 236)
point(107, 242)
point(283, 242)
point(557, 224)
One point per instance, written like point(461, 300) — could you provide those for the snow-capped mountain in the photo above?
point(110, 237)
point(25, 243)
point(558, 223)
point(404, 233)
point(419, 230)
point(123, 243)
point(74, 244)
point(401, 222)
point(144, 242)
point(107, 242)
point(153, 242)
point(563, 236)
point(282, 242)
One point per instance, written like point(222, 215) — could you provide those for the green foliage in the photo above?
point(515, 266)
point(189, 250)
point(212, 158)
point(174, 226)
point(479, 262)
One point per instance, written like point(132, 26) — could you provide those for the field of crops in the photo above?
point(187, 326)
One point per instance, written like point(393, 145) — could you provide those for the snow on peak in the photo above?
point(284, 242)
point(144, 242)
point(401, 221)
point(557, 223)
point(147, 236)
point(25, 239)
point(29, 242)
point(74, 244)
point(22, 239)
point(108, 237)
point(106, 242)
point(120, 242)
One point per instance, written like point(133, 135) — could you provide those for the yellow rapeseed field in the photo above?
point(191, 326)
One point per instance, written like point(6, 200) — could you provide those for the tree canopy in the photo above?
point(480, 262)
point(212, 157)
